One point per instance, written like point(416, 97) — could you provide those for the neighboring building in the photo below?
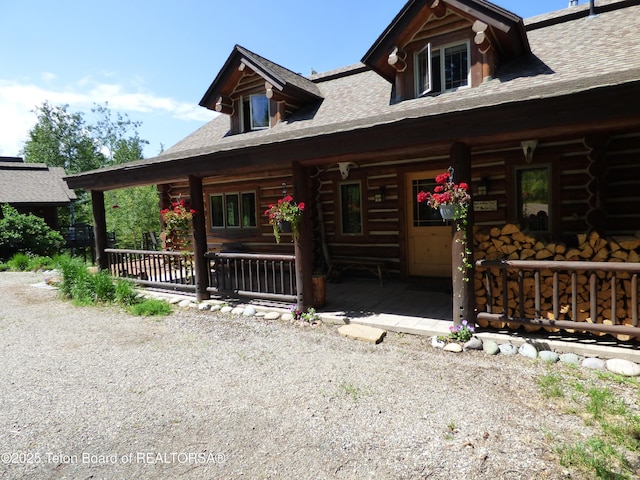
point(541, 117)
point(34, 188)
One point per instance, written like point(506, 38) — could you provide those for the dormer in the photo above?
point(257, 93)
point(436, 46)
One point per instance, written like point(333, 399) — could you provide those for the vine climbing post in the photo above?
point(462, 245)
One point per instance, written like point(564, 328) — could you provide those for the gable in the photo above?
point(497, 35)
point(246, 73)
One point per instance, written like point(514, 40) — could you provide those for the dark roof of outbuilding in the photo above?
point(33, 183)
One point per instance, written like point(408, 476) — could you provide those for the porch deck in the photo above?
point(356, 297)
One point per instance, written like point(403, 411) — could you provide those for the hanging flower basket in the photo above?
point(285, 216)
point(448, 212)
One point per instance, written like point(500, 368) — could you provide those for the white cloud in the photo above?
point(18, 100)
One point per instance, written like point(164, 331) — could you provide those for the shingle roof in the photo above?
point(568, 57)
point(33, 183)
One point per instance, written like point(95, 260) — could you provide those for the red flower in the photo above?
point(423, 196)
point(301, 206)
point(463, 186)
point(439, 189)
point(442, 178)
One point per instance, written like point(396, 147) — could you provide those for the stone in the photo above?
point(570, 358)
point(237, 311)
point(623, 367)
point(548, 356)
point(204, 306)
point(249, 311)
point(272, 316)
point(453, 347)
point(594, 363)
point(473, 344)
point(528, 350)
point(435, 343)
point(216, 308)
point(226, 309)
point(260, 314)
point(362, 332)
point(287, 317)
point(185, 303)
point(490, 347)
point(508, 349)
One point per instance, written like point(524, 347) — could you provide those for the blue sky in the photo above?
point(154, 60)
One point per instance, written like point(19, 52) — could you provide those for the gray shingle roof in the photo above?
point(568, 57)
point(33, 183)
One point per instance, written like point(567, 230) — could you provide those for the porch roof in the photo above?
point(584, 72)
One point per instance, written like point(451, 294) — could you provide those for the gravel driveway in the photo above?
point(97, 393)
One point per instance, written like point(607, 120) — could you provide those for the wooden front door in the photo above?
point(428, 237)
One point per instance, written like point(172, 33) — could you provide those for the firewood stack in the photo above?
point(510, 243)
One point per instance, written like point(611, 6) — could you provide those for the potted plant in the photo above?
point(452, 199)
point(177, 221)
point(285, 216)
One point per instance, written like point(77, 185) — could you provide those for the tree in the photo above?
point(64, 139)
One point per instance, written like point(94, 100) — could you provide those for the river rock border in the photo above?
point(617, 366)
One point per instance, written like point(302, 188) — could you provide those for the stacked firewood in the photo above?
point(510, 243)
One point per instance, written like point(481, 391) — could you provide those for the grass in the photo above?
point(151, 307)
point(350, 390)
point(614, 451)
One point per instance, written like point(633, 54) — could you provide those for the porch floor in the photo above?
point(358, 297)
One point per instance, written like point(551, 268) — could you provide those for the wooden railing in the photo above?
point(162, 269)
point(564, 278)
point(270, 277)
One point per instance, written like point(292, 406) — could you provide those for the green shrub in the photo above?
point(27, 234)
point(151, 307)
point(125, 293)
point(103, 288)
point(19, 262)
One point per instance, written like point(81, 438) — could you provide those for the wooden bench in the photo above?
point(337, 265)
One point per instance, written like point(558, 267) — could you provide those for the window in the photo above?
point(351, 208)
point(233, 210)
point(255, 112)
point(423, 214)
point(533, 198)
point(441, 69)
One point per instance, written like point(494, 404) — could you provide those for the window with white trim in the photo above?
point(255, 112)
point(233, 210)
point(442, 69)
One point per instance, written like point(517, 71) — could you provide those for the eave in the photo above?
point(586, 112)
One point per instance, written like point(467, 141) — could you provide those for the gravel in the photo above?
point(97, 393)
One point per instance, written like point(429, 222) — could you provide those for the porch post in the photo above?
point(201, 263)
point(304, 244)
point(463, 291)
point(99, 228)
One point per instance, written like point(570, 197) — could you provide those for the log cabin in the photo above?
point(541, 117)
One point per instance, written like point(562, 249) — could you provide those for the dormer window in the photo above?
point(442, 69)
point(255, 112)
